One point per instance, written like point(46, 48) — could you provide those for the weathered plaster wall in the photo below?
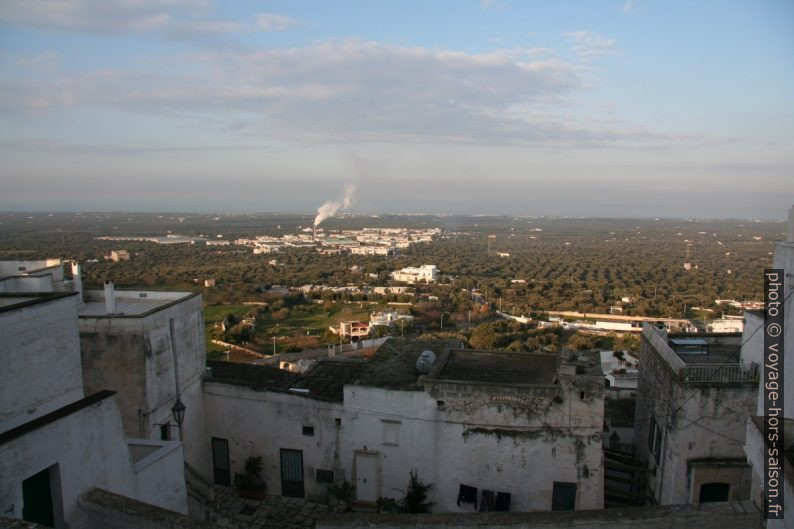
point(112, 358)
point(510, 443)
point(519, 444)
point(258, 423)
point(133, 356)
point(90, 450)
point(698, 422)
point(41, 360)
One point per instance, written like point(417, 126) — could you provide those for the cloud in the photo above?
point(45, 60)
point(354, 91)
point(629, 7)
point(272, 22)
point(589, 45)
point(97, 16)
point(204, 28)
point(183, 19)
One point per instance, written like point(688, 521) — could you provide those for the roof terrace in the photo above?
point(704, 358)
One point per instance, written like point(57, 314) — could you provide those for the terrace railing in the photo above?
point(719, 373)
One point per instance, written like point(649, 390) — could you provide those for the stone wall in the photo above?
point(737, 515)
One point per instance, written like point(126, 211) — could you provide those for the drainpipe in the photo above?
point(176, 367)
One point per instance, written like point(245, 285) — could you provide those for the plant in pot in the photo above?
point(250, 483)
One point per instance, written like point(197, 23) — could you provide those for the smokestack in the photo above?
point(110, 298)
point(77, 283)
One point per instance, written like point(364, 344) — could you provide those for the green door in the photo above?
point(37, 499)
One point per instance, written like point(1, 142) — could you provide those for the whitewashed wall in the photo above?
point(40, 351)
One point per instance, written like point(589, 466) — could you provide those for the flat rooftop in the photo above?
point(706, 348)
point(130, 302)
point(9, 302)
point(499, 367)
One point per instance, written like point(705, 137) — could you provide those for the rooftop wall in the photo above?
point(41, 358)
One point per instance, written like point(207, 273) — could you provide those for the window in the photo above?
point(165, 432)
point(655, 441)
point(563, 496)
point(308, 431)
point(391, 432)
point(324, 476)
point(714, 492)
point(338, 422)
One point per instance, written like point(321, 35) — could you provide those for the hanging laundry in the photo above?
point(502, 501)
point(486, 501)
point(467, 494)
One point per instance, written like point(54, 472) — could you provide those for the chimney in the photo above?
point(77, 283)
point(110, 298)
point(790, 230)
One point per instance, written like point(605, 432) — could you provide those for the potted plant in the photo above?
point(250, 484)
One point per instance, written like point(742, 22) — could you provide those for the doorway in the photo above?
point(292, 473)
point(37, 500)
point(220, 462)
point(366, 477)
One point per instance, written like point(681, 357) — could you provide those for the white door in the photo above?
point(366, 487)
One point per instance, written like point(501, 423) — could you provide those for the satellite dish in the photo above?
point(425, 362)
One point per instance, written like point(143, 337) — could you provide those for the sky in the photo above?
point(628, 108)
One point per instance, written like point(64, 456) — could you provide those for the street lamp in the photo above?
point(178, 410)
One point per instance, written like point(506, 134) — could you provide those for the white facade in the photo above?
point(427, 273)
point(132, 352)
point(513, 438)
point(753, 349)
point(42, 370)
point(52, 431)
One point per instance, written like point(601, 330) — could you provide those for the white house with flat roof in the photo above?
point(424, 273)
point(57, 440)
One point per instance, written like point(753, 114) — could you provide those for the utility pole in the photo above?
point(274, 345)
point(442, 321)
point(500, 303)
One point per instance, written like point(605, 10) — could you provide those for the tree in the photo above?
point(416, 496)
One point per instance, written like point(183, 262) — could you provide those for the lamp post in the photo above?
point(178, 411)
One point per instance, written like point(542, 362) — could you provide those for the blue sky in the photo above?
point(611, 108)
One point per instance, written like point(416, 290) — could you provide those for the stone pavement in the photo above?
point(274, 512)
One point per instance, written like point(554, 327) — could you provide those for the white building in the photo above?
point(513, 430)
point(387, 318)
point(694, 396)
point(755, 445)
point(148, 347)
point(58, 441)
point(424, 273)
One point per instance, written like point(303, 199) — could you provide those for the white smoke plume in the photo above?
point(330, 208)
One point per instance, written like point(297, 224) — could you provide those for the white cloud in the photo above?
point(629, 6)
point(174, 18)
point(354, 90)
point(272, 22)
point(100, 16)
point(45, 60)
point(589, 45)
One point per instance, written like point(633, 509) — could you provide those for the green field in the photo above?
point(303, 326)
